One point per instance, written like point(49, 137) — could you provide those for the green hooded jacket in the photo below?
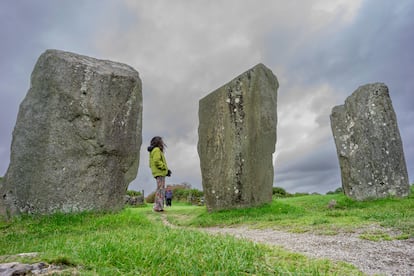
point(157, 162)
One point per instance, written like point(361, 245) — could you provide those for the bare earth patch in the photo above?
point(395, 257)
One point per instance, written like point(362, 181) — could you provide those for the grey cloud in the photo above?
point(317, 171)
point(377, 46)
point(308, 182)
point(27, 30)
point(184, 50)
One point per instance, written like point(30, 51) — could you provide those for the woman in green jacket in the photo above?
point(159, 170)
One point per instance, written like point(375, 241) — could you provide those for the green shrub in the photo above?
point(192, 196)
point(279, 192)
point(150, 198)
point(301, 194)
point(181, 193)
point(337, 191)
point(133, 193)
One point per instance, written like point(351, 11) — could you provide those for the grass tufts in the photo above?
point(135, 241)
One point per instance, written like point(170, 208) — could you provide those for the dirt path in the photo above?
point(394, 257)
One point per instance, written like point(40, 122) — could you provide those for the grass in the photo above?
point(311, 213)
point(135, 241)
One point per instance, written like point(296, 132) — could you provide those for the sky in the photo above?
point(321, 51)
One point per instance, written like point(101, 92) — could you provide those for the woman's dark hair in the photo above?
point(158, 142)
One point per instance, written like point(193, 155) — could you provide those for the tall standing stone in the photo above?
point(237, 137)
point(77, 137)
point(369, 145)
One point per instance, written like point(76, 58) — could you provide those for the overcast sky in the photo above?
point(320, 50)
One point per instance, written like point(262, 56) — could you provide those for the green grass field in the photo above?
point(135, 242)
point(311, 213)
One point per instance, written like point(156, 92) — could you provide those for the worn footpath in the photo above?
point(395, 257)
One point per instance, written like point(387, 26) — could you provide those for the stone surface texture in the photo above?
point(237, 137)
point(369, 145)
point(77, 137)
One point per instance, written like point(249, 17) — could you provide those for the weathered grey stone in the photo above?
point(16, 268)
point(369, 146)
point(77, 137)
point(237, 137)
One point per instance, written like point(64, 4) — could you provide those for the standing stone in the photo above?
point(237, 137)
point(77, 137)
point(369, 145)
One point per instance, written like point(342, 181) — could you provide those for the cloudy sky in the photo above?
point(320, 50)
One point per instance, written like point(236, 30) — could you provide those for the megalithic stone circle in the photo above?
point(237, 137)
point(77, 137)
point(369, 145)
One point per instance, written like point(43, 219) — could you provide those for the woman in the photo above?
point(159, 170)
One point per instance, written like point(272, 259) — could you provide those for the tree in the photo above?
point(279, 192)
